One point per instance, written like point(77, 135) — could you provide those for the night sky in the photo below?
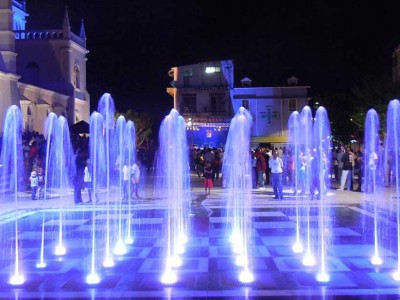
point(329, 45)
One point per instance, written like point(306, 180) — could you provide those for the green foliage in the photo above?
point(143, 124)
point(373, 92)
point(339, 109)
point(347, 111)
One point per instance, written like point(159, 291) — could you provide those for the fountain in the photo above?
point(97, 171)
point(121, 139)
point(107, 109)
point(237, 171)
point(311, 146)
point(392, 157)
point(131, 159)
point(11, 175)
point(306, 133)
point(263, 234)
point(294, 139)
point(173, 185)
point(320, 169)
point(371, 150)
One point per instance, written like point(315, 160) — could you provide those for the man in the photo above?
point(261, 167)
point(276, 165)
point(347, 160)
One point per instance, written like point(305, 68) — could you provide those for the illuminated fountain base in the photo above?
point(17, 279)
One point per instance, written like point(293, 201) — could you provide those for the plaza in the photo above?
point(208, 269)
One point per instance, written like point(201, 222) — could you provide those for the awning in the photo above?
point(269, 139)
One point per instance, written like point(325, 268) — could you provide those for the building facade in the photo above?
point(270, 108)
point(206, 97)
point(41, 71)
point(201, 95)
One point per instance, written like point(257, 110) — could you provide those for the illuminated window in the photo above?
point(245, 104)
point(292, 104)
point(210, 70)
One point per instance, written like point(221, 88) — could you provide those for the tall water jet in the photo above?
point(131, 159)
point(306, 132)
point(371, 150)
point(50, 165)
point(320, 180)
point(294, 127)
point(97, 171)
point(120, 142)
point(64, 167)
point(392, 152)
point(107, 109)
point(237, 171)
point(11, 175)
point(173, 184)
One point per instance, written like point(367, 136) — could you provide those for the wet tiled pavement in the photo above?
point(208, 268)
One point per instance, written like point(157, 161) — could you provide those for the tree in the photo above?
point(373, 92)
point(143, 123)
point(339, 108)
point(347, 110)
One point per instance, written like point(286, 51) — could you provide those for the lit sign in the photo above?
point(210, 70)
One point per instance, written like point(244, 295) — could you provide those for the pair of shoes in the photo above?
point(339, 189)
point(80, 202)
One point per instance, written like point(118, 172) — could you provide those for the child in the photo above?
point(34, 184)
point(40, 176)
point(208, 184)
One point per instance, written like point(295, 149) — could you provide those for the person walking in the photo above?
point(34, 184)
point(276, 165)
point(135, 178)
point(208, 184)
point(261, 166)
point(347, 170)
point(126, 174)
point(87, 180)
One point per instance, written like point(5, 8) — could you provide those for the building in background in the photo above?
point(270, 108)
point(41, 70)
point(201, 94)
point(205, 95)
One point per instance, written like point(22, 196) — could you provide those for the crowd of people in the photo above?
point(34, 147)
point(275, 166)
point(279, 167)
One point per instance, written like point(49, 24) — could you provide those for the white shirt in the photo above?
point(86, 176)
point(276, 165)
point(135, 171)
point(34, 181)
point(373, 157)
point(125, 172)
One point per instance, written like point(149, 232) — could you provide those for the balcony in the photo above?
point(47, 34)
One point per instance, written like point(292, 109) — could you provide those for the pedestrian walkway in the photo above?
point(208, 265)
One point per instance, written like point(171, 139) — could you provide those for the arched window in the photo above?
point(77, 77)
